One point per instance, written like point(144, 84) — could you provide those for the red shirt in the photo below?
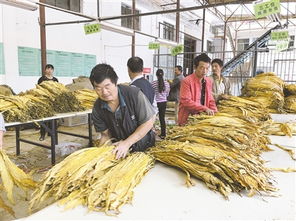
point(190, 94)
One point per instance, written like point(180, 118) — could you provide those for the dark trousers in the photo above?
point(161, 113)
point(48, 124)
point(42, 129)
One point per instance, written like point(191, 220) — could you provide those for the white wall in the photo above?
point(2, 77)
point(20, 28)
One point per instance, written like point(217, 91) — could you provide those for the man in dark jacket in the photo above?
point(135, 72)
point(121, 112)
point(175, 89)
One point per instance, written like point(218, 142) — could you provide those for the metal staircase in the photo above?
point(251, 50)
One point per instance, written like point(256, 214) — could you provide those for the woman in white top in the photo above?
point(162, 89)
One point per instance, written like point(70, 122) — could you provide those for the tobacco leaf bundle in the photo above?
point(267, 89)
point(43, 101)
point(38, 107)
point(63, 100)
point(244, 108)
point(230, 131)
point(15, 108)
point(263, 82)
point(290, 104)
point(86, 97)
point(5, 207)
point(111, 191)
point(221, 170)
point(92, 177)
point(279, 129)
point(66, 102)
point(12, 176)
point(272, 100)
point(74, 172)
point(290, 89)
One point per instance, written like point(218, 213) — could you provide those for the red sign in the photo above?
point(146, 70)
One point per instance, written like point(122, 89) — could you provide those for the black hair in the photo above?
point(179, 68)
point(202, 57)
point(161, 85)
point(101, 72)
point(218, 61)
point(135, 64)
point(49, 66)
point(259, 71)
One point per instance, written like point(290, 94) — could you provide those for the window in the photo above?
point(210, 46)
point(128, 22)
point(242, 44)
point(73, 5)
point(168, 31)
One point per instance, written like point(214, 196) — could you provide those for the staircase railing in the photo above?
point(250, 50)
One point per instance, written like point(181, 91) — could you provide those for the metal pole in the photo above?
point(89, 121)
point(177, 26)
point(255, 60)
point(42, 36)
point(98, 8)
point(224, 41)
point(142, 14)
point(203, 27)
point(134, 27)
point(17, 140)
point(158, 50)
point(177, 21)
point(53, 141)
point(70, 22)
point(168, 11)
point(235, 43)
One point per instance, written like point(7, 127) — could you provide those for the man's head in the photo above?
point(217, 65)
point(104, 80)
point(178, 70)
point(49, 69)
point(201, 65)
point(135, 67)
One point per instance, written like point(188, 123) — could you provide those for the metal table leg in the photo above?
point(53, 141)
point(89, 130)
point(17, 140)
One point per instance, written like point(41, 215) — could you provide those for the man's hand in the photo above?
point(209, 112)
point(121, 149)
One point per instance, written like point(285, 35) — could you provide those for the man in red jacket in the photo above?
point(196, 91)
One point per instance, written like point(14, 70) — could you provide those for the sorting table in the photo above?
point(52, 130)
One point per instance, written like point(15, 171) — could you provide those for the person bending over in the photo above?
point(121, 112)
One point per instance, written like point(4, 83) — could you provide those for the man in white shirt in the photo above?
point(221, 85)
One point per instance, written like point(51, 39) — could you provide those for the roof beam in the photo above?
point(251, 18)
point(239, 2)
point(168, 11)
